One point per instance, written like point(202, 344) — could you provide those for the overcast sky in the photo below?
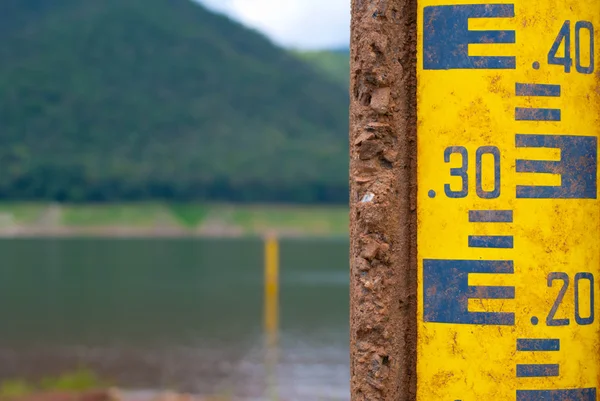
point(302, 24)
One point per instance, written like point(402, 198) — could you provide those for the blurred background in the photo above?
point(174, 198)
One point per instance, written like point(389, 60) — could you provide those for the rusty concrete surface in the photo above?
point(383, 200)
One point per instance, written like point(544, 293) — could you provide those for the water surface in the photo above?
point(180, 313)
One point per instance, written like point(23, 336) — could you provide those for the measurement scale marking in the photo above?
point(491, 292)
point(577, 166)
point(478, 37)
point(536, 114)
point(531, 344)
point(537, 370)
point(446, 42)
point(542, 90)
point(490, 216)
point(580, 394)
point(491, 241)
point(447, 291)
point(539, 166)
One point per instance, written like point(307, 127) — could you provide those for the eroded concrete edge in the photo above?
point(383, 149)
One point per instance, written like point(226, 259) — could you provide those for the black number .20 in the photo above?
point(564, 277)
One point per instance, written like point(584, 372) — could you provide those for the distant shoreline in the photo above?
point(156, 220)
point(132, 233)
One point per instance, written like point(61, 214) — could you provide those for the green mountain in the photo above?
point(334, 63)
point(104, 100)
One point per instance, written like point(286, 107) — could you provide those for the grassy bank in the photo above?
point(171, 219)
point(78, 380)
point(82, 385)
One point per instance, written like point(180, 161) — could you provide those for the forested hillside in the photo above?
point(105, 100)
point(334, 63)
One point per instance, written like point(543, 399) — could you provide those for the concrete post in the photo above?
point(383, 200)
point(474, 273)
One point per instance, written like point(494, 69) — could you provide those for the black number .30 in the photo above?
point(463, 172)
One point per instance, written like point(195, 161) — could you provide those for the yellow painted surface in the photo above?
point(271, 315)
point(271, 308)
point(474, 108)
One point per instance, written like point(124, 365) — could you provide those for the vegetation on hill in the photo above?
point(161, 99)
point(334, 63)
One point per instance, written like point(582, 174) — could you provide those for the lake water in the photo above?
point(184, 314)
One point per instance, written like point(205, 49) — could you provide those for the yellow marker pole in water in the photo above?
point(508, 214)
point(271, 311)
point(271, 322)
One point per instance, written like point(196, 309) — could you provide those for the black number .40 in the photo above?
point(564, 35)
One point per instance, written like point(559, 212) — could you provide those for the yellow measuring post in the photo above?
point(508, 236)
point(271, 312)
point(271, 297)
